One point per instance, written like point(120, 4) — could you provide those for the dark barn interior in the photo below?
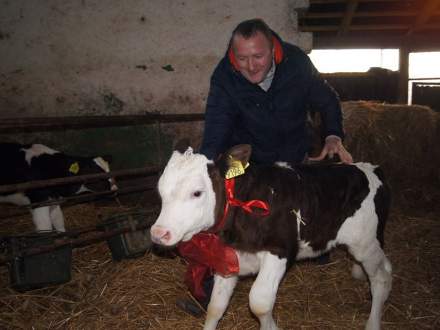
point(130, 80)
point(410, 26)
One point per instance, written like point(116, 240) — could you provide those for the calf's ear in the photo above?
point(240, 152)
point(108, 158)
point(182, 145)
point(227, 163)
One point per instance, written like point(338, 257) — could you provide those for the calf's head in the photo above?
point(188, 199)
point(188, 194)
point(92, 165)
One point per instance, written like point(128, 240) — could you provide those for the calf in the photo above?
point(311, 209)
point(22, 163)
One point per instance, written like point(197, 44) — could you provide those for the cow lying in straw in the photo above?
point(270, 216)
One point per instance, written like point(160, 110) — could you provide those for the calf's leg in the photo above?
point(378, 268)
point(57, 218)
point(221, 294)
point(264, 290)
point(357, 272)
point(41, 218)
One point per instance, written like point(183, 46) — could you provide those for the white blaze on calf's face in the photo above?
point(188, 199)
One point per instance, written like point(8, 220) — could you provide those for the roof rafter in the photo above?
point(367, 27)
point(340, 1)
point(414, 23)
point(386, 13)
point(424, 15)
point(349, 12)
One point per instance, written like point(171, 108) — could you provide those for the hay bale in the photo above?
point(400, 138)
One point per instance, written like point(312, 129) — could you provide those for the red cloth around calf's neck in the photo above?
point(205, 252)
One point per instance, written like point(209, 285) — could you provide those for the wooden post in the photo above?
point(348, 17)
point(402, 96)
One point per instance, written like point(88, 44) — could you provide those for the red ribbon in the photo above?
point(206, 254)
point(232, 201)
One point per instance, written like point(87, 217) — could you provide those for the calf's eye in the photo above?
point(197, 193)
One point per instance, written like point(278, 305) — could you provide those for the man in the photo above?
point(259, 95)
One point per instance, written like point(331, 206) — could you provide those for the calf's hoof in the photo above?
point(190, 307)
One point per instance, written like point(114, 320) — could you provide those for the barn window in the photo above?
point(423, 70)
point(354, 60)
point(424, 79)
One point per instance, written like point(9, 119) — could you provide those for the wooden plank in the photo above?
point(151, 170)
point(385, 13)
point(74, 240)
point(31, 124)
point(365, 27)
point(424, 15)
point(91, 196)
point(373, 40)
point(348, 17)
point(341, 1)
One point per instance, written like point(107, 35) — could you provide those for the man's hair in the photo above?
point(250, 27)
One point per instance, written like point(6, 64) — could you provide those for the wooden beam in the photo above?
point(363, 27)
point(366, 27)
point(424, 15)
point(348, 17)
point(374, 40)
point(385, 13)
point(402, 95)
point(342, 1)
point(75, 240)
point(24, 186)
point(32, 124)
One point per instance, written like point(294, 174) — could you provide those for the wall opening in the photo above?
point(423, 66)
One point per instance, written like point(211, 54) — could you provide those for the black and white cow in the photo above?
point(22, 163)
point(313, 208)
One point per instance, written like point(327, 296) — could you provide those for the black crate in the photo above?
point(134, 243)
point(34, 271)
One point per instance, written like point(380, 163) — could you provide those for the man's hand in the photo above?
point(333, 145)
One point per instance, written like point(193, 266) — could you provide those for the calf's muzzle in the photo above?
point(160, 235)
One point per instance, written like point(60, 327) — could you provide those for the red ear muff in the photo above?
point(232, 58)
point(278, 50)
point(278, 54)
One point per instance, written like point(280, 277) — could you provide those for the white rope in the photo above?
point(299, 221)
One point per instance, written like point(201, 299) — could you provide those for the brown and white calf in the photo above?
point(313, 208)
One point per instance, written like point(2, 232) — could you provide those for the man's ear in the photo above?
point(232, 58)
point(278, 53)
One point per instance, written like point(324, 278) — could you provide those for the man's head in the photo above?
point(252, 47)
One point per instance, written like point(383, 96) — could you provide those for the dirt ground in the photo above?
point(140, 293)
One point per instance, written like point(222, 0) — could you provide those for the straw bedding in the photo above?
point(141, 293)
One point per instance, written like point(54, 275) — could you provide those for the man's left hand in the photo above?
point(333, 145)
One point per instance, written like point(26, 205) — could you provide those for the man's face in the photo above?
point(254, 56)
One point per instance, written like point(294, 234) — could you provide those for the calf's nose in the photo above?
point(160, 235)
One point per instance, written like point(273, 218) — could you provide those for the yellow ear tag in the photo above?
point(74, 168)
point(236, 168)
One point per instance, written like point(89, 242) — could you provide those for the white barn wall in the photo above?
point(63, 57)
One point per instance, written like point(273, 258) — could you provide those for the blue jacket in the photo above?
point(273, 122)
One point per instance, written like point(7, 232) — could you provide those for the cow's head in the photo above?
point(188, 195)
point(92, 165)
